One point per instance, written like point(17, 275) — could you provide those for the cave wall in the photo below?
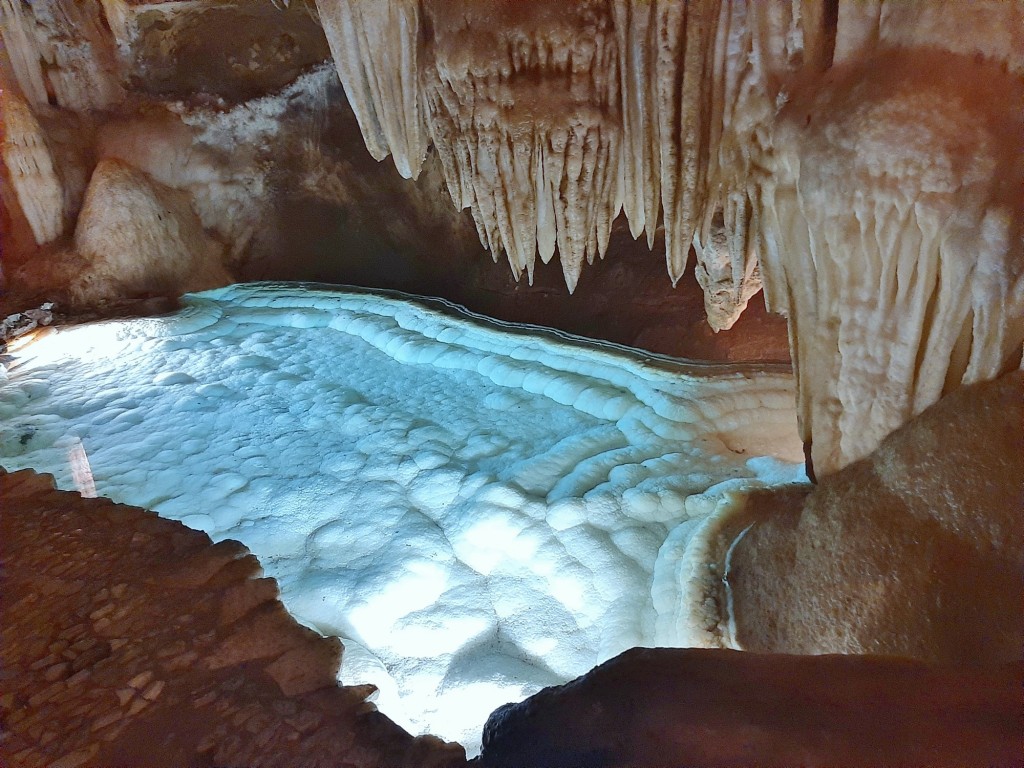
point(237, 106)
point(859, 161)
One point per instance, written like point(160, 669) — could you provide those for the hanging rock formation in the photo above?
point(894, 240)
point(550, 118)
point(375, 47)
point(30, 168)
point(885, 209)
point(62, 53)
point(858, 159)
point(861, 160)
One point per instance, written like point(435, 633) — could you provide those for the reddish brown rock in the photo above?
point(129, 640)
point(714, 708)
point(917, 550)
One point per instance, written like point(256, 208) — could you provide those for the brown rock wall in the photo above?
point(669, 706)
point(131, 640)
point(917, 550)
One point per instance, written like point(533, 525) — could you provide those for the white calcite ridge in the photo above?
point(477, 510)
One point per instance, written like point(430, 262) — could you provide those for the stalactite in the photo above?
point(524, 112)
point(376, 49)
point(727, 268)
point(685, 32)
point(19, 40)
point(549, 118)
point(30, 166)
point(641, 164)
point(894, 237)
point(62, 53)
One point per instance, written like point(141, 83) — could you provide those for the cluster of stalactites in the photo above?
point(893, 240)
point(30, 168)
point(550, 118)
point(862, 158)
point(61, 53)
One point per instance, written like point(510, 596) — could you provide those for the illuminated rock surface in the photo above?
point(859, 161)
point(878, 199)
point(136, 237)
point(895, 241)
point(917, 550)
point(914, 551)
point(113, 647)
point(478, 507)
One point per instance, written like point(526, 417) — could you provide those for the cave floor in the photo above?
point(129, 639)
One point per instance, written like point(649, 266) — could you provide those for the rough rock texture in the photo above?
point(131, 640)
point(227, 52)
point(30, 171)
point(135, 237)
point(657, 707)
point(894, 240)
point(917, 550)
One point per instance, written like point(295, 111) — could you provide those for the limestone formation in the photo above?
point(871, 199)
point(30, 167)
point(137, 237)
point(812, 147)
point(375, 48)
point(550, 118)
point(62, 53)
point(523, 112)
point(859, 160)
point(893, 240)
point(914, 551)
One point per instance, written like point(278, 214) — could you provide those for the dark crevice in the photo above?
point(829, 24)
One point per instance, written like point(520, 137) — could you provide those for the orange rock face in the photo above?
point(916, 551)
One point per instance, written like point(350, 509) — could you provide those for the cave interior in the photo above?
point(598, 383)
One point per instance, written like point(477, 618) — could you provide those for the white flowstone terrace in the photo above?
point(477, 509)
